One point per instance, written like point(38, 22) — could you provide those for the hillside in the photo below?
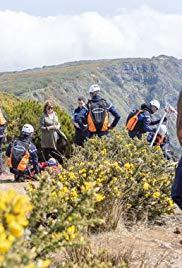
point(125, 82)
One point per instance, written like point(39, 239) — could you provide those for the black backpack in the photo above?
point(98, 113)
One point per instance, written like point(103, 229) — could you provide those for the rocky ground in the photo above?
point(157, 245)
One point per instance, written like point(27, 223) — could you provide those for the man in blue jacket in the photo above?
point(80, 129)
point(145, 119)
point(97, 116)
point(22, 154)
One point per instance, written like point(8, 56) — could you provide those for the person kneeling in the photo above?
point(162, 140)
point(22, 155)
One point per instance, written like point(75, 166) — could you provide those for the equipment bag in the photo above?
point(19, 157)
point(98, 117)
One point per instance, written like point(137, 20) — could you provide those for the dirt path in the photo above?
point(7, 182)
point(152, 241)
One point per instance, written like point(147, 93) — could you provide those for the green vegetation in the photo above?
point(107, 180)
point(19, 112)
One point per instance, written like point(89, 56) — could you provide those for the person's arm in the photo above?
point(81, 118)
point(179, 119)
point(56, 125)
point(42, 123)
point(75, 118)
point(156, 122)
point(116, 115)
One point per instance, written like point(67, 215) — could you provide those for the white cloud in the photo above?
point(27, 41)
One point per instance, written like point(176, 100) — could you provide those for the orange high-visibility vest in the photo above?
point(91, 126)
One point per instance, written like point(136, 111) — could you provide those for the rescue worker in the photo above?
point(80, 128)
point(162, 140)
point(143, 119)
point(22, 154)
point(97, 116)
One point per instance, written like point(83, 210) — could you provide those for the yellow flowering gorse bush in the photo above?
point(13, 219)
point(62, 211)
point(109, 178)
point(138, 186)
point(14, 252)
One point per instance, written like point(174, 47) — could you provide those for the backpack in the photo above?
point(19, 157)
point(98, 117)
point(132, 120)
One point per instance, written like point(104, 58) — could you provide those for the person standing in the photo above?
point(80, 128)
point(50, 128)
point(97, 117)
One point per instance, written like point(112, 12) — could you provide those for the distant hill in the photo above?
point(125, 82)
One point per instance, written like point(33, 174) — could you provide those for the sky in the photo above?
point(35, 33)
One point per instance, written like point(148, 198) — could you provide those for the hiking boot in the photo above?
point(18, 178)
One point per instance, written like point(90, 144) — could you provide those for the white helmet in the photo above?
point(93, 88)
point(27, 129)
point(155, 103)
point(163, 130)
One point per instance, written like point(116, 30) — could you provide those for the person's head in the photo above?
point(48, 107)
point(27, 130)
point(154, 105)
point(81, 101)
point(94, 90)
point(163, 130)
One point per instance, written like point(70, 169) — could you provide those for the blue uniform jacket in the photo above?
point(144, 123)
point(79, 115)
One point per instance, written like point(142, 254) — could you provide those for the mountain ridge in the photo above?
point(125, 82)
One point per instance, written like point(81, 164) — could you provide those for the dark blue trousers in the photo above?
point(176, 192)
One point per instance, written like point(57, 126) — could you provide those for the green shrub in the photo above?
point(61, 213)
point(19, 112)
point(133, 178)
